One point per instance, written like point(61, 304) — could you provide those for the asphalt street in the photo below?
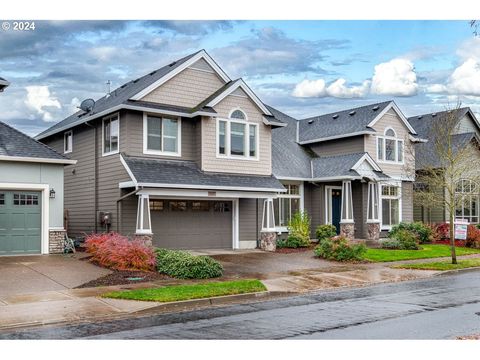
point(442, 307)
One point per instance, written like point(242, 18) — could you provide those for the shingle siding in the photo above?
point(248, 222)
point(407, 201)
point(344, 146)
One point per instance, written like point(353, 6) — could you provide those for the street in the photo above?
point(442, 307)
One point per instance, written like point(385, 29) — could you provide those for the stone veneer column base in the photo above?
point(55, 241)
point(146, 238)
point(373, 232)
point(347, 230)
point(268, 240)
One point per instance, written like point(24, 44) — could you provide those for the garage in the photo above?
point(20, 222)
point(191, 224)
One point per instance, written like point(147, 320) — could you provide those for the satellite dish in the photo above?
point(87, 105)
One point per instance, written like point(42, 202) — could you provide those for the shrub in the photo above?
point(117, 252)
point(183, 265)
point(391, 244)
point(422, 231)
point(407, 239)
point(443, 231)
point(338, 248)
point(326, 231)
point(299, 230)
point(473, 237)
point(291, 242)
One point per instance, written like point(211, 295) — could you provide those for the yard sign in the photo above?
point(461, 227)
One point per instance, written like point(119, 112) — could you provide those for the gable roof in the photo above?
point(346, 123)
point(16, 146)
point(120, 98)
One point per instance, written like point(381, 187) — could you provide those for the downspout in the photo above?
point(95, 174)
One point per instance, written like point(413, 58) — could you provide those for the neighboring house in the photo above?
point(349, 168)
point(467, 131)
point(31, 195)
point(182, 156)
point(3, 84)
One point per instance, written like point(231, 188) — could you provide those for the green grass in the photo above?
point(188, 292)
point(442, 265)
point(427, 252)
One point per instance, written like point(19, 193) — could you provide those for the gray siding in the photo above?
point(313, 205)
point(349, 145)
point(467, 125)
point(427, 214)
point(249, 222)
point(407, 201)
point(359, 208)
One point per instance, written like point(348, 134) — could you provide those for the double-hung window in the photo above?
point(111, 134)
point(287, 204)
point(161, 135)
point(467, 201)
point(391, 205)
point(236, 137)
point(68, 142)
point(389, 147)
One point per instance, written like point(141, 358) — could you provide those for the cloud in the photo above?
point(396, 77)
point(465, 79)
point(40, 99)
point(192, 27)
point(310, 88)
point(338, 89)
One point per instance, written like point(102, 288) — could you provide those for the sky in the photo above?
point(303, 68)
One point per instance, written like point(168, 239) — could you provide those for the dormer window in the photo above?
point(236, 137)
point(389, 147)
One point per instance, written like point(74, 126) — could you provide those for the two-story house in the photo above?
point(182, 155)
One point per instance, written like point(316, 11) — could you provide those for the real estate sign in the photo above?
point(461, 229)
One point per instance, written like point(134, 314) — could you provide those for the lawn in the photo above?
point(427, 252)
point(188, 292)
point(442, 265)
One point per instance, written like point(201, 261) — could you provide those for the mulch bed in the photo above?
point(295, 250)
point(458, 243)
point(124, 277)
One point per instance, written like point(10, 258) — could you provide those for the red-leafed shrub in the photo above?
point(442, 231)
point(473, 237)
point(118, 252)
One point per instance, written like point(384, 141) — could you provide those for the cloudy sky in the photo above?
point(304, 68)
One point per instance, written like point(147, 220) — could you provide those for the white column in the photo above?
point(268, 218)
point(347, 203)
point(144, 223)
point(373, 200)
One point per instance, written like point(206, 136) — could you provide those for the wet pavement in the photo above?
point(441, 307)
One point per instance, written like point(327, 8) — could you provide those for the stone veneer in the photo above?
point(55, 241)
point(268, 240)
point(373, 232)
point(347, 230)
point(146, 238)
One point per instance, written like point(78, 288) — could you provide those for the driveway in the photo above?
point(32, 274)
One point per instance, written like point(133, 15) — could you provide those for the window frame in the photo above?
point(381, 140)
point(148, 151)
point(290, 196)
point(389, 197)
point(246, 141)
point(461, 203)
point(109, 118)
point(65, 142)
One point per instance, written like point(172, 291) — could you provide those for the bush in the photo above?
point(183, 265)
point(407, 239)
point(299, 230)
point(338, 248)
point(117, 252)
point(473, 237)
point(391, 244)
point(326, 231)
point(442, 231)
point(422, 231)
point(291, 242)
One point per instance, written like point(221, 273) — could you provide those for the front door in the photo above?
point(333, 206)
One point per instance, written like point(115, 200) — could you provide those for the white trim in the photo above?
point(239, 83)
point(200, 55)
point(364, 132)
point(192, 194)
point(328, 201)
point(402, 117)
point(366, 157)
point(246, 144)
point(66, 142)
point(272, 123)
point(212, 187)
point(235, 224)
point(300, 196)
point(45, 218)
point(37, 160)
point(383, 138)
point(110, 117)
point(160, 152)
point(129, 172)
point(398, 184)
point(4, 82)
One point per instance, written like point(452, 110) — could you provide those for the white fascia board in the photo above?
point(393, 106)
point(37, 160)
point(335, 178)
point(417, 140)
point(239, 83)
point(191, 193)
point(366, 157)
point(342, 136)
point(126, 184)
point(4, 82)
point(209, 187)
point(129, 172)
point(273, 123)
point(201, 55)
point(475, 120)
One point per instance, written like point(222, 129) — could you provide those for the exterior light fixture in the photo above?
point(52, 193)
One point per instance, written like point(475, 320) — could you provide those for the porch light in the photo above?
point(52, 193)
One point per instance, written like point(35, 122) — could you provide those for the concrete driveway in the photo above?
point(32, 274)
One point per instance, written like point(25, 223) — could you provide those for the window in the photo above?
point(201, 205)
point(156, 205)
point(111, 135)
point(68, 142)
point(236, 137)
point(25, 199)
point(178, 206)
point(467, 201)
point(390, 200)
point(2, 199)
point(221, 206)
point(161, 135)
point(286, 204)
point(389, 147)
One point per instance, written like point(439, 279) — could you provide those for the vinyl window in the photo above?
point(389, 147)
point(111, 135)
point(161, 135)
point(236, 137)
point(391, 207)
point(68, 142)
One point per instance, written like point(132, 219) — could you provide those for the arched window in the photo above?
point(238, 114)
point(389, 147)
point(236, 137)
point(467, 200)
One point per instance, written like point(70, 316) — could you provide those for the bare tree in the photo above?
point(474, 26)
point(445, 161)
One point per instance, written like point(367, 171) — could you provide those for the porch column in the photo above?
point(268, 235)
point(347, 225)
point(144, 224)
point(373, 217)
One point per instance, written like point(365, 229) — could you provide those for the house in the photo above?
point(31, 195)
point(349, 168)
point(466, 132)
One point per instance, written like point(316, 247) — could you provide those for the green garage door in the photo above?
point(20, 222)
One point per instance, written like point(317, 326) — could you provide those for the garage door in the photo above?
point(20, 222)
point(182, 224)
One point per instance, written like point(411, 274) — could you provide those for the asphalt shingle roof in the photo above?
point(340, 123)
point(338, 166)
point(16, 143)
point(182, 172)
point(424, 123)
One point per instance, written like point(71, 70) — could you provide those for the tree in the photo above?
point(443, 164)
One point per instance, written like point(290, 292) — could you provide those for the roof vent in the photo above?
point(171, 64)
point(136, 80)
point(153, 72)
point(351, 113)
point(434, 114)
point(310, 121)
point(375, 108)
point(421, 116)
point(335, 116)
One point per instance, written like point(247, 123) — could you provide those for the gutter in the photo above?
point(38, 160)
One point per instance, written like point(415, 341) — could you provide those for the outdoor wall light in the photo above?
point(52, 194)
